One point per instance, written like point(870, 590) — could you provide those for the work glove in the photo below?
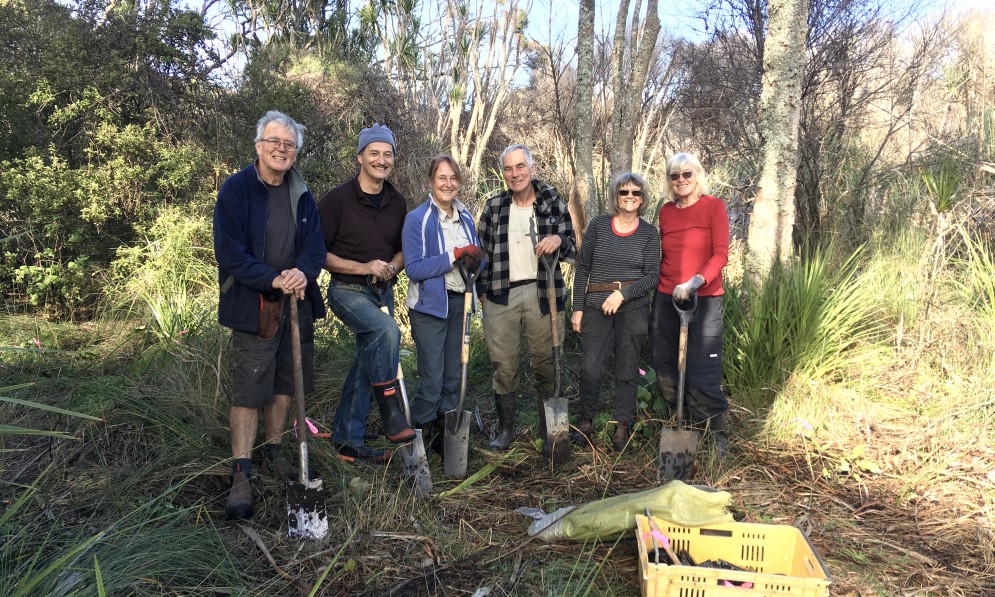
point(470, 256)
point(683, 292)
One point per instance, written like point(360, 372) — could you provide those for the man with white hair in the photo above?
point(527, 220)
point(268, 244)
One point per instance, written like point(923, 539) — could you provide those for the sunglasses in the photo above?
point(625, 193)
point(687, 175)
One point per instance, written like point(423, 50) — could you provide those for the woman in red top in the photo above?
point(694, 237)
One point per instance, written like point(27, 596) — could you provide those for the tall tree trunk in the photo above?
point(773, 217)
point(630, 77)
point(583, 197)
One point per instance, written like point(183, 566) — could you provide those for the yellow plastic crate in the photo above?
point(779, 559)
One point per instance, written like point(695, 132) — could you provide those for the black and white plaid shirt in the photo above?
point(551, 217)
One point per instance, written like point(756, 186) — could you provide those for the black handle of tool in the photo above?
point(549, 262)
point(295, 337)
point(376, 290)
point(682, 351)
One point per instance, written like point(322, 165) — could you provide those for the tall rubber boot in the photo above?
point(395, 427)
point(717, 425)
point(505, 404)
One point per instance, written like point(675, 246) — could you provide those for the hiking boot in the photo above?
point(239, 503)
point(623, 434)
point(363, 454)
point(505, 404)
point(583, 432)
point(395, 426)
point(668, 390)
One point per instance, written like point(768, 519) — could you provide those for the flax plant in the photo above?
point(62, 557)
point(813, 318)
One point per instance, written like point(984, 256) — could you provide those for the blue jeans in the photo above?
point(439, 343)
point(378, 340)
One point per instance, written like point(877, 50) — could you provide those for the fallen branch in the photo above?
point(251, 532)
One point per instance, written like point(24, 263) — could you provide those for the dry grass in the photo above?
point(923, 526)
point(888, 468)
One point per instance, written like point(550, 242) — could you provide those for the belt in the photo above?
point(454, 292)
point(609, 286)
point(520, 283)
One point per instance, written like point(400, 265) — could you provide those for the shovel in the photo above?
point(554, 416)
point(414, 462)
point(306, 513)
point(457, 432)
point(678, 446)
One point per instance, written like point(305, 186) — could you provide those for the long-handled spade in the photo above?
point(414, 462)
point(678, 446)
point(306, 513)
point(554, 413)
point(457, 432)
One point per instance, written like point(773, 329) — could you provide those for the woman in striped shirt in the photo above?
point(618, 265)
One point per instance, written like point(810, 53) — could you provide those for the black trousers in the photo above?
point(624, 335)
point(703, 395)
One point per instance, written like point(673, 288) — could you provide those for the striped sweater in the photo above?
point(608, 257)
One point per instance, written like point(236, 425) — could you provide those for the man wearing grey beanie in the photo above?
point(362, 220)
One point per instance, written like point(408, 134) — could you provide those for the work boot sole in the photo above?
point(348, 454)
point(403, 437)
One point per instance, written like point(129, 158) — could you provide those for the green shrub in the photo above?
point(170, 281)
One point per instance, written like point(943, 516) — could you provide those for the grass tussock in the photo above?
point(861, 387)
point(818, 318)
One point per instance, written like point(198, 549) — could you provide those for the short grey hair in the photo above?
point(678, 163)
point(513, 148)
point(283, 120)
point(623, 179)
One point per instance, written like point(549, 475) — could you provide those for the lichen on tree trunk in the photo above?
point(773, 217)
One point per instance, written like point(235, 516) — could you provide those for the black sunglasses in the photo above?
point(687, 175)
point(625, 193)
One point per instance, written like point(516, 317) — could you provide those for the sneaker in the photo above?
point(239, 504)
point(363, 454)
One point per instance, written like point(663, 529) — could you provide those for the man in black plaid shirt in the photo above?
point(518, 225)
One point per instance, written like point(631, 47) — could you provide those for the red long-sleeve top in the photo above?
point(694, 240)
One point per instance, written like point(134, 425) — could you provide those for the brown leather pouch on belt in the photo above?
point(270, 314)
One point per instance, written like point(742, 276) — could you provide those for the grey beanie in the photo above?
point(375, 134)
